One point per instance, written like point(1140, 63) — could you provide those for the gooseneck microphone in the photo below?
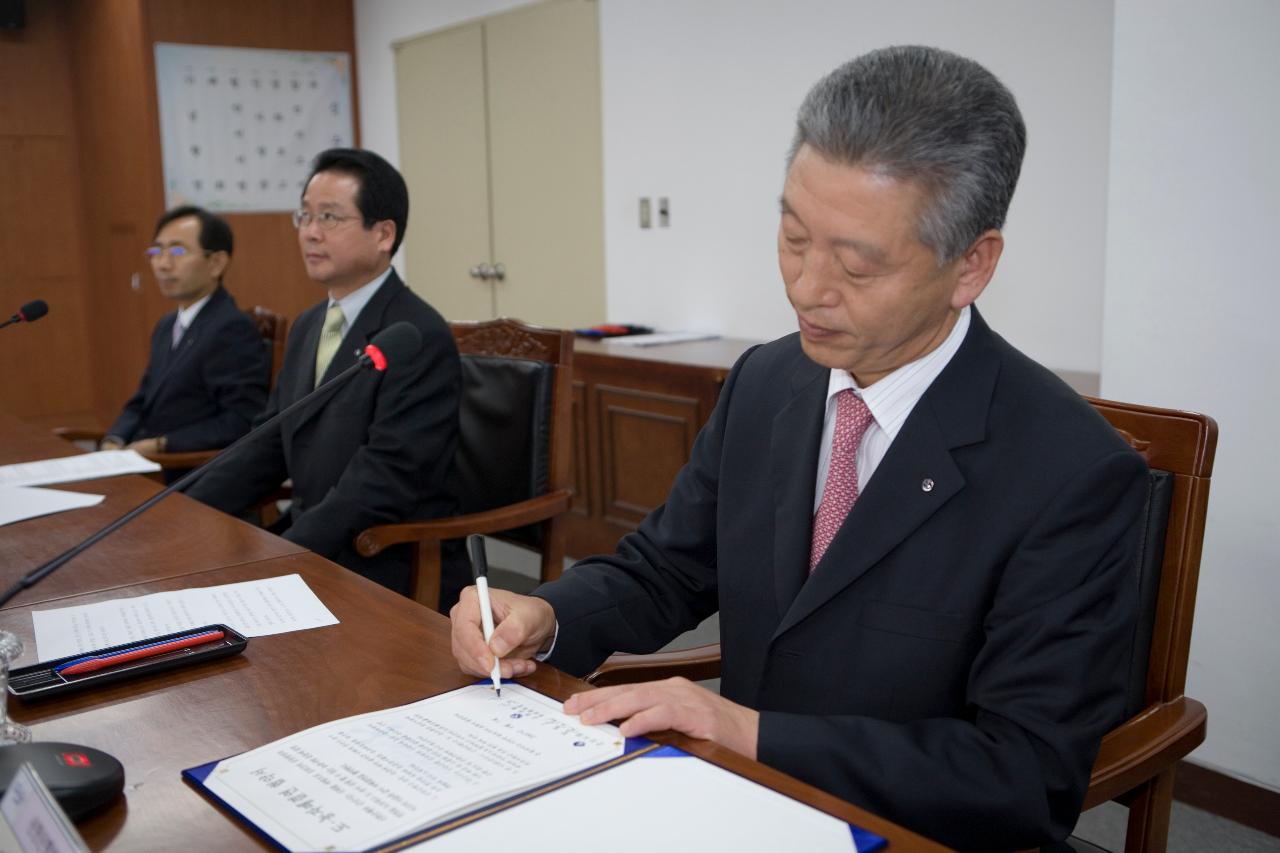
point(29, 313)
point(390, 346)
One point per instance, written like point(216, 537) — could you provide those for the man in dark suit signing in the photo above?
point(207, 376)
point(918, 540)
point(379, 448)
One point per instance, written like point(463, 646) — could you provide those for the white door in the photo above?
point(500, 142)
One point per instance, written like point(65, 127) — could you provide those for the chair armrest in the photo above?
point(1144, 746)
point(168, 461)
point(695, 664)
point(371, 541)
point(79, 434)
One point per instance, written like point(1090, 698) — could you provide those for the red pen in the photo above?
point(96, 662)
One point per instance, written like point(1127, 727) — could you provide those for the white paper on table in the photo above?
point(18, 503)
point(82, 466)
point(647, 803)
point(254, 608)
point(657, 338)
point(363, 781)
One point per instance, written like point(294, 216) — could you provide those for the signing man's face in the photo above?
point(869, 296)
point(185, 272)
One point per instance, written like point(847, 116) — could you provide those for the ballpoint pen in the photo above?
point(480, 568)
point(92, 663)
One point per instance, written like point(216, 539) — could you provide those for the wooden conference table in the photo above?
point(385, 651)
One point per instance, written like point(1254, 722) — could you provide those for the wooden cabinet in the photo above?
point(636, 413)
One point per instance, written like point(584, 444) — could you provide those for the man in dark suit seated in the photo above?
point(918, 540)
point(207, 377)
point(379, 449)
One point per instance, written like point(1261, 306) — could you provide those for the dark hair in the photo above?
point(923, 115)
point(215, 233)
point(382, 194)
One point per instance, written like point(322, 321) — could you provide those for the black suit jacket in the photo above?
point(204, 394)
point(377, 451)
point(958, 653)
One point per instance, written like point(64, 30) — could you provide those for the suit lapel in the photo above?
point(162, 356)
point(797, 434)
point(368, 324)
point(172, 356)
point(914, 480)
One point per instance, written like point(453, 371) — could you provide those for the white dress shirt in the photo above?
point(890, 400)
point(353, 303)
point(187, 316)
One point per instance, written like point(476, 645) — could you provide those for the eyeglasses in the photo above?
point(175, 252)
point(325, 219)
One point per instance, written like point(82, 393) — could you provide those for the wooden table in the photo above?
point(385, 651)
point(176, 537)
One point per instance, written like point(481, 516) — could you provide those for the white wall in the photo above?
point(1192, 300)
point(699, 105)
point(699, 97)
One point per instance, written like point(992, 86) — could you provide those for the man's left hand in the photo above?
point(146, 445)
point(676, 704)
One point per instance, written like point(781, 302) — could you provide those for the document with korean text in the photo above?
point(364, 781)
point(82, 466)
point(254, 608)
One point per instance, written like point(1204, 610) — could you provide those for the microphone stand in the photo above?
point(38, 574)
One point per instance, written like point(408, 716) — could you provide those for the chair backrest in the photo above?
point(1179, 448)
point(274, 329)
point(514, 416)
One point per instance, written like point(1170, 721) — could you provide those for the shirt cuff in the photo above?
point(541, 656)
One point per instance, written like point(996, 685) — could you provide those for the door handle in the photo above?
point(489, 272)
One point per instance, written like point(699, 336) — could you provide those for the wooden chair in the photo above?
point(274, 329)
point(1136, 763)
point(512, 462)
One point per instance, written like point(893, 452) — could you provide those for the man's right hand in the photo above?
point(522, 626)
point(110, 443)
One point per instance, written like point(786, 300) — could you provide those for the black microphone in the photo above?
point(30, 312)
point(390, 346)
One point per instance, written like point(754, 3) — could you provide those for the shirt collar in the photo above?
point(353, 303)
point(892, 397)
point(186, 316)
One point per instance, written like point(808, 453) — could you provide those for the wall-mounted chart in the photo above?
point(239, 126)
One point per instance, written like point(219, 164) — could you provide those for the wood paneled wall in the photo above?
point(81, 187)
point(44, 366)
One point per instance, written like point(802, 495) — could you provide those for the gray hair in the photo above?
point(923, 115)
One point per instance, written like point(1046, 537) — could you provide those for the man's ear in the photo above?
point(386, 235)
point(976, 266)
point(218, 263)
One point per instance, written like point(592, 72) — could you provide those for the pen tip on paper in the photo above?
point(499, 689)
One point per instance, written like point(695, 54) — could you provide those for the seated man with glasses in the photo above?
point(207, 376)
point(379, 448)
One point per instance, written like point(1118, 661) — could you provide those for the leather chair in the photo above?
point(1136, 762)
point(511, 471)
point(274, 329)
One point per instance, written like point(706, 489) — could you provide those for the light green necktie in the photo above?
point(330, 338)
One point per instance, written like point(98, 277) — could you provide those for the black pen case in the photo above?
point(39, 680)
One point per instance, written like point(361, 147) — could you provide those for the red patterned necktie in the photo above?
point(852, 419)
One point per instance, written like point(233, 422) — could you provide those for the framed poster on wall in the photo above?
point(239, 126)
